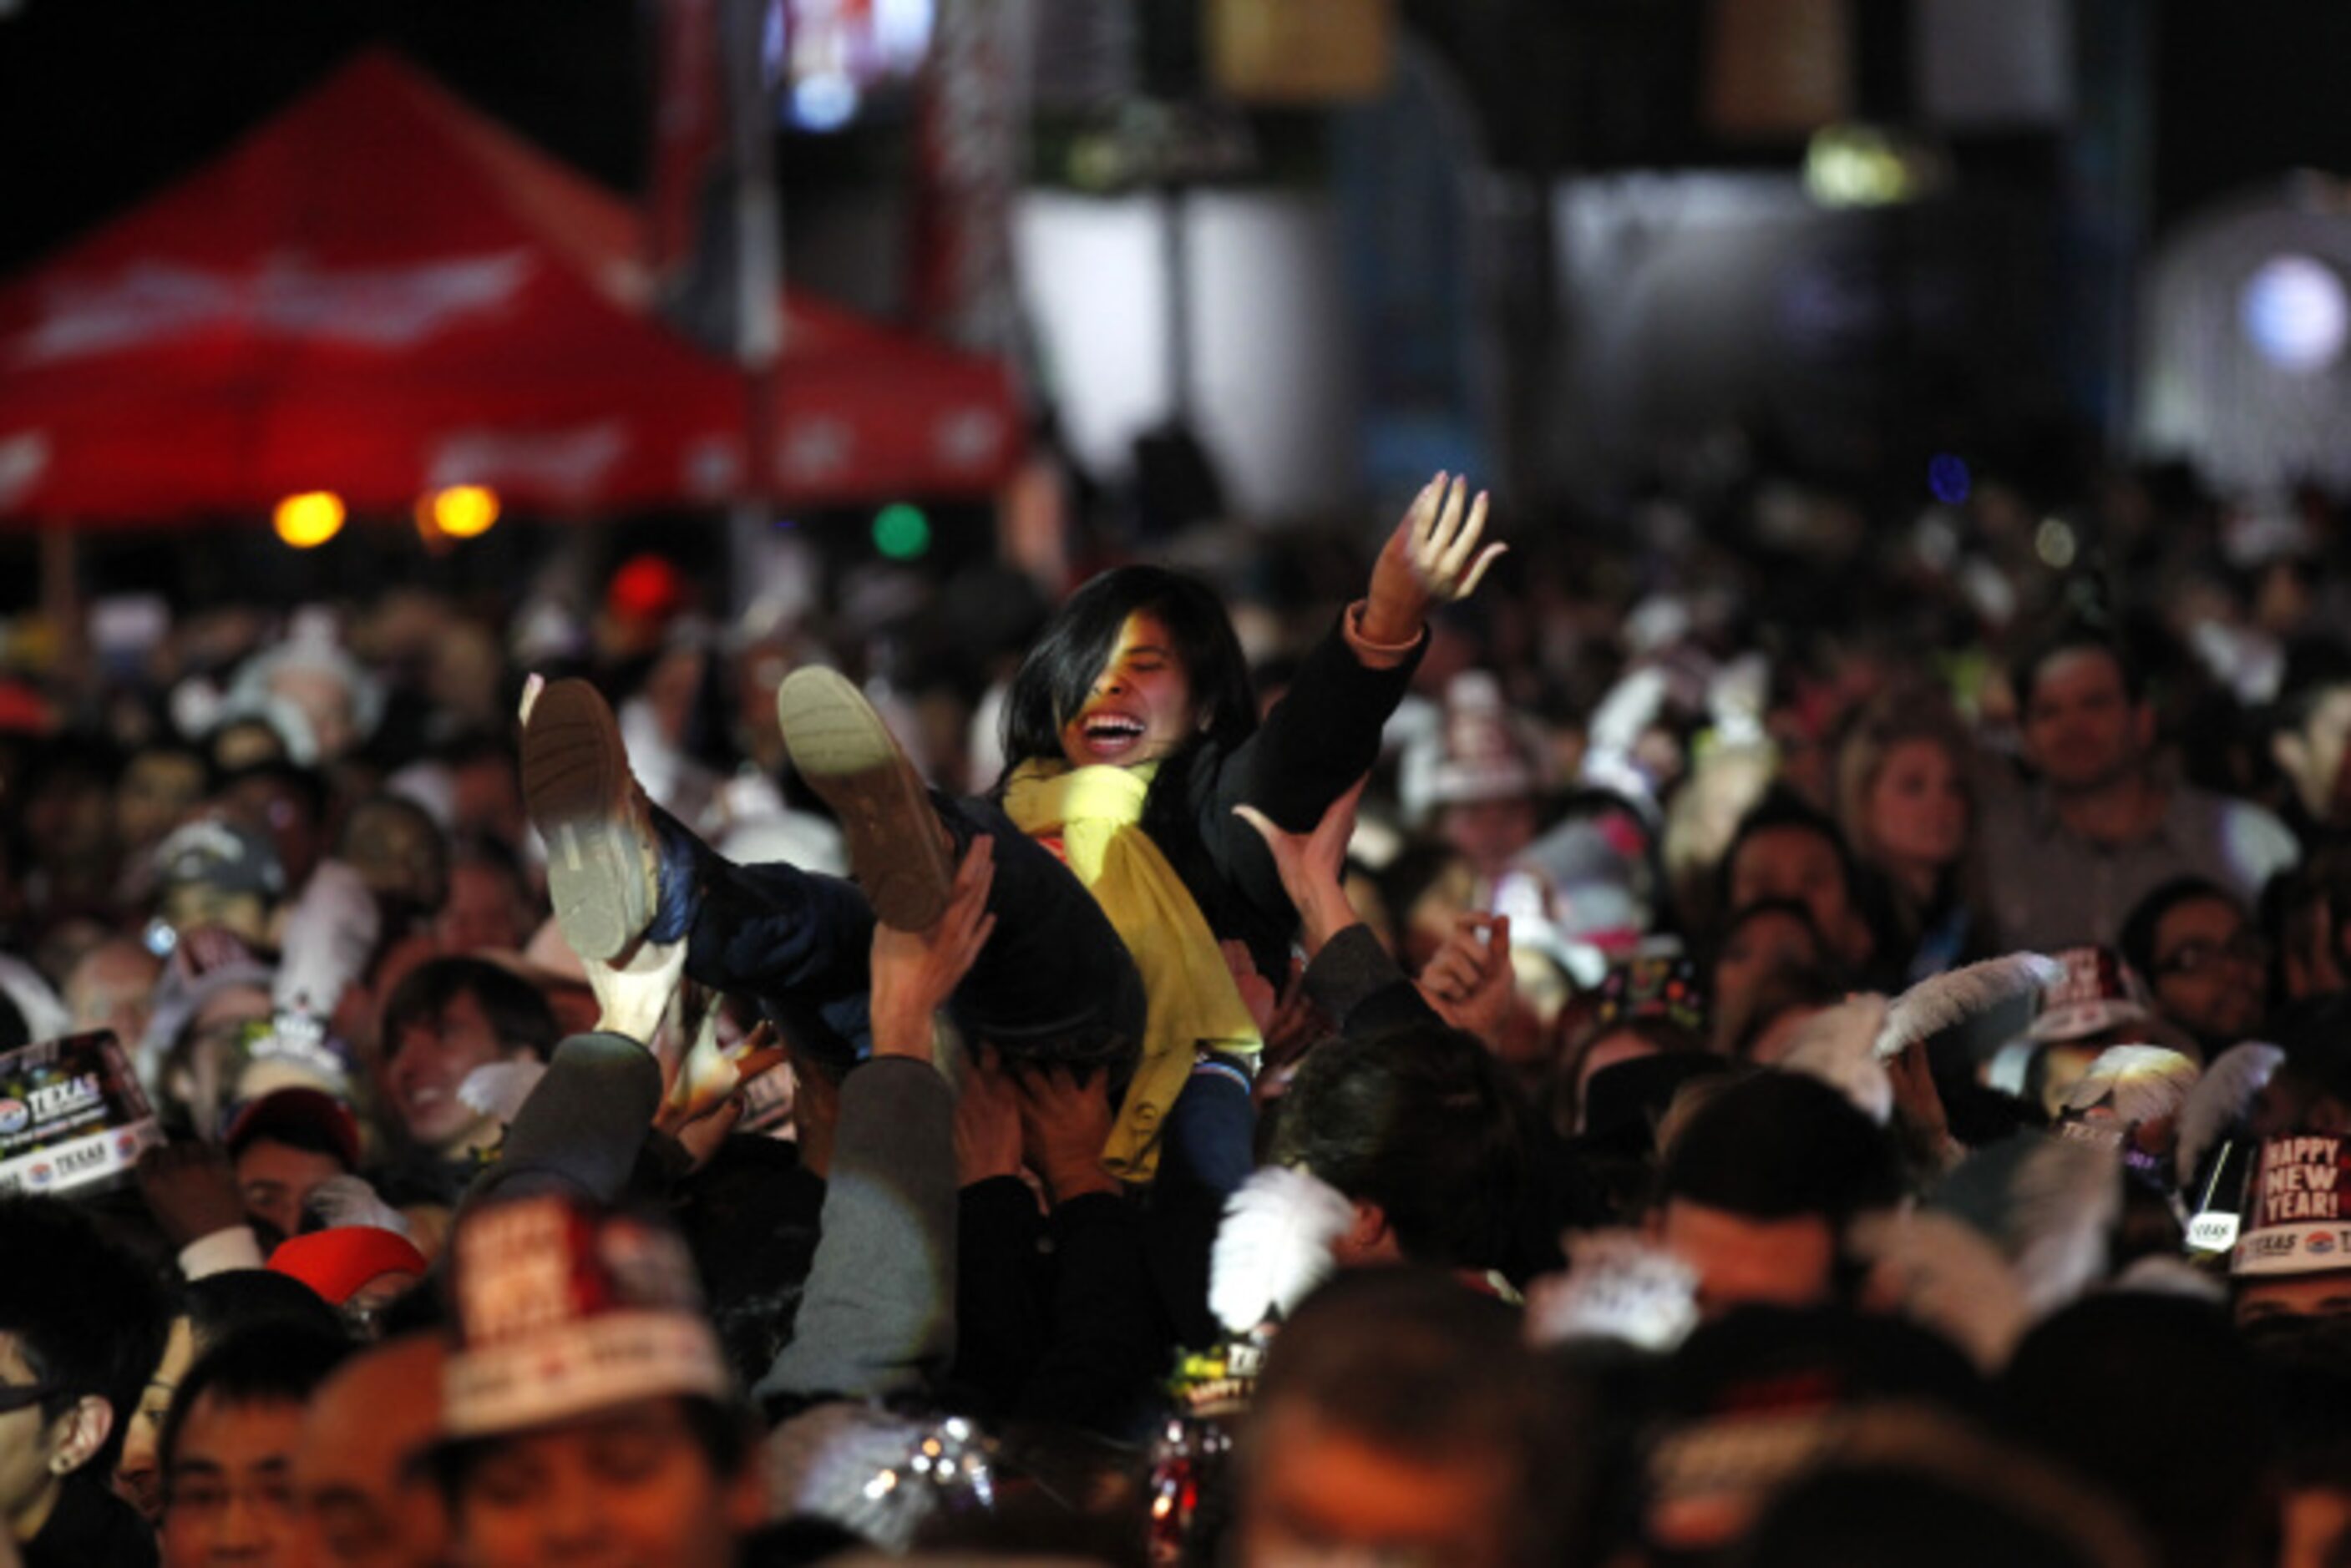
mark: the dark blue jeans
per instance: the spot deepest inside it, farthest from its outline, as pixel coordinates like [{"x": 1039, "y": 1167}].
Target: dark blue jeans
[{"x": 1053, "y": 984}]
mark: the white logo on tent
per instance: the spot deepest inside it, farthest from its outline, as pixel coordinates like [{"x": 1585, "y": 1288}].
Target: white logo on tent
[
  {"x": 712, "y": 465},
  {"x": 152, "y": 303},
  {"x": 23, "y": 459},
  {"x": 817, "y": 449},
  {"x": 564, "y": 461},
  {"x": 968, "y": 437}
]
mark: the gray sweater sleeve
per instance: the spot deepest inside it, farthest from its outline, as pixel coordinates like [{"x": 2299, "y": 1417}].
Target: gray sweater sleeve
[
  {"x": 878, "y": 1315},
  {"x": 582, "y": 1127}
]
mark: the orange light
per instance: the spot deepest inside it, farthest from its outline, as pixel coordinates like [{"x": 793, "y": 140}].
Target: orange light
[
  {"x": 465, "y": 511},
  {"x": 309, "y": 519}
]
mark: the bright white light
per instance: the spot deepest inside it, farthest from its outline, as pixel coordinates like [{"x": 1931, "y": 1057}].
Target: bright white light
[
  {"x": 2295, "y": 314},
  {"x": 1855, "y": 166},
  {"x": 824, "y": 102},
  {"x": 902, "y": 32}
]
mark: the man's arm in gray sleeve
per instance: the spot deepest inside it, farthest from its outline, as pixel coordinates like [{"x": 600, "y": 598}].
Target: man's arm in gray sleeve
[
  {"x": 584, "y": 1125},
  {"x": 878, "y": 1315}
]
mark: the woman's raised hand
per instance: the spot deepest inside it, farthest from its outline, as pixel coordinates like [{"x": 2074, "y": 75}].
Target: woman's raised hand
[
  {"x": 1433, "y": 557},
  {"x": 915, "y": 972},
  {"x": 1311, "y": 863}
]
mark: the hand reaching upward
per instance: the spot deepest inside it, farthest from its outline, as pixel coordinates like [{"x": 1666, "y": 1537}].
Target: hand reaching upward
[
  {"x": 1310, "y": 864},
  {"x": 1433, "y": 557},
  {"x": 915, "y": 972}
]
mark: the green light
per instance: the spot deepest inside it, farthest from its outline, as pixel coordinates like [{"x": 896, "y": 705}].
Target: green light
[{"x": 901, "y": 531}]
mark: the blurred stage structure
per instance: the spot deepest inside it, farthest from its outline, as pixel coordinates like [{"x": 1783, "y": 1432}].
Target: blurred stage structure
[
  {"x": 2246, "y": 345},
  {"x": 382, "y": 294}
]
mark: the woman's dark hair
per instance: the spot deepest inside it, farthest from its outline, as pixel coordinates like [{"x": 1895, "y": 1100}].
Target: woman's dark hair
[{"x": 1056, "y": 678}]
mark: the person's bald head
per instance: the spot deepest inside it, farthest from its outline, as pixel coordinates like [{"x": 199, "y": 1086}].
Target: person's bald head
[
  {"x": 368, "y": 1499},
  {"x": 112, "y": 986}
]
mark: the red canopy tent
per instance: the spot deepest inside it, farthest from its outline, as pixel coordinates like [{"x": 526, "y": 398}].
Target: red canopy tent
[{"x": 381, "y": 291}]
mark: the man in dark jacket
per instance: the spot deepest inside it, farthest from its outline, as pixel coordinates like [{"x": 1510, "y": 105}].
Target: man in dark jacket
[{"x": 82, "y": 1325}]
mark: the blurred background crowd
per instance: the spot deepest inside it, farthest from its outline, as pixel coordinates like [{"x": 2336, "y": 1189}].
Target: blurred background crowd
[{"x": 1918, "y": 430}]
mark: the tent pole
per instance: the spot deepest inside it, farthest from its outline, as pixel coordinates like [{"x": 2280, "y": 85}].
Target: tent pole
[{"x": 61, "y": 593}]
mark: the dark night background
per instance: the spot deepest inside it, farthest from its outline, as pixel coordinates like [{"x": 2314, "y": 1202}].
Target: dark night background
[{"x": 104, "y": 101}]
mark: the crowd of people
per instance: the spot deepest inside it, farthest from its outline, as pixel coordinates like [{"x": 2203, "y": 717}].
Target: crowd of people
[{"x": 1761, "y": 1027}]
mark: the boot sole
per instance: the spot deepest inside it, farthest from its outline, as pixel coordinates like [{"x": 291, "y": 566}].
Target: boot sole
[
  {"x": 580, "y": 796},
  {"x": 839, "y": 745}
]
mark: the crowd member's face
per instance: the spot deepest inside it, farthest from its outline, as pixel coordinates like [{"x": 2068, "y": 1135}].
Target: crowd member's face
[
  {"x": 433, "y": 1057},
  {"x": 276, "y": 808},
  {"x": 367, "y": 1501},
  {"x": 1741, "y": 1260},
  {"x": 2080, "y": 729},
  {"x": 154, "y": 796},
  {"x": 484, "y": 912},
  {"x": 2210, "y": 970},
  {"x": 2262, "y": 1299},
  {"x": 1140, "y": 708},
  {"x": 275, "y": 1179},
  {"x": 1918, "y": 806},
  {"x": 400, "y": 854},
  {"x": 246, "y": 742},
  {"x": 230, "y": 1490},
  {"x": 139, "y": 1477},
  {"x": 325, "y": 701},
  {"x": 215, "y": 1051},
  {"x": 1322, "y": 1495},
  {"x": 1489, "y": 834},
  {"x": 1761, "y": 944},
  {"x": 32, "y": 1447},
  {"x": 2312, "y": 1519},
  {"x": 1796, "y": 864},
  {"x": 113, "y": 987},
  {"x": 68, "y": 819},
  {"x": 2312, "y": 753},
  {"x": 184, "y": 906},
  {"x": 627, "y": 1488},
  {"x": 489, "y": 796}
]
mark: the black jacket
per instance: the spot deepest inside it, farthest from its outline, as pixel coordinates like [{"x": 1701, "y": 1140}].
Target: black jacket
[
  {"x": 92, "y": 1528},
  {"x": 1322, "y": 737}
]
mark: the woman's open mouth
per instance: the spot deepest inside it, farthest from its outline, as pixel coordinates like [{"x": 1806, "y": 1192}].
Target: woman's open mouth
[{"x": 1111, "y": 736}]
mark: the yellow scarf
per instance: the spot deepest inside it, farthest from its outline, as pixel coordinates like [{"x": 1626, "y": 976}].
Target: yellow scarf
[{"x": 1190, "y": 991}]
